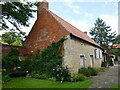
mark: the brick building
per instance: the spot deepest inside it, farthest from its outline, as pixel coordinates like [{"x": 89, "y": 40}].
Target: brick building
[{"x": 79, "y": 49}]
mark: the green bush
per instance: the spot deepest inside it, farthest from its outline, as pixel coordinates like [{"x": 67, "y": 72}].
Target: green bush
[
  {"x": 50, "y": 63},
  {"x": 93, "y": 71},
  {"x": 24, "y": 64},
  {"x": 89, "y": 71},
  {"x": 85, "y": 71},
  {"x": 38, "y": 75},
  {"x": 13, "y": 52},
  {"x": 44, "y": 76},
  {"x": 6, "y": 78},
  {"x": 62, "y": 74},
  {"x": 79, "y": 77},
  {"x": 35, "y": 74},
  {"x": 11, "y": 60},
  {"x": 110, "y": 62}
]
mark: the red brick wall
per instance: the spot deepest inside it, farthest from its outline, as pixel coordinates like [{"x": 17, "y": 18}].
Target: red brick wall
[
  {"x": 7, "y": 48},
  {"x": 54, "y": 31}
]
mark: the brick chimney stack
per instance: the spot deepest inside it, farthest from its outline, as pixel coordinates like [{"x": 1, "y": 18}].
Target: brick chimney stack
[{"x": 43, "y": 4}]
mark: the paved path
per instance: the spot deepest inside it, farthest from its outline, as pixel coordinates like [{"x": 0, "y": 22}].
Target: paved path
[{"x": 106, "y": 79}]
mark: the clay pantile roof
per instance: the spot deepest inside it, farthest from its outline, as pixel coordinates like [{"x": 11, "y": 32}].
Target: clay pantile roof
[
  {"x": 116, "y": 45},
  {"x": 73, "y": 30}
]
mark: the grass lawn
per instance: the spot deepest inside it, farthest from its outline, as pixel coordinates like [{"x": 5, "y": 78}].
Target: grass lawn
[
  {"x": 24, "y": 82},
  {"x": 116, "y": 86}
]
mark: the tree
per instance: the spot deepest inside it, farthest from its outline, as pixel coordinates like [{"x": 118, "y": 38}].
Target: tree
[
  {"x": 12, "y": 38},
  {"x": 117, "y": 40},
  {"x": 102, "y": 33},
  {"x": 114, "y": 50},
  {"x": 16, "y": 14}
]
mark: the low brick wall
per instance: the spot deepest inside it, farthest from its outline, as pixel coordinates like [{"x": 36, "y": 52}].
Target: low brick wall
[{"x": 7, "y": 48}]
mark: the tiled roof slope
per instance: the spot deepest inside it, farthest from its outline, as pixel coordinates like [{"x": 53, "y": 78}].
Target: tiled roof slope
[{"x": 70, "y": 28}]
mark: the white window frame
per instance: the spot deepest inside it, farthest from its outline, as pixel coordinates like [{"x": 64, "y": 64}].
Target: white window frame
[
  {"x": 97, "y": 53},
  {"x": 100, "y": 53}
]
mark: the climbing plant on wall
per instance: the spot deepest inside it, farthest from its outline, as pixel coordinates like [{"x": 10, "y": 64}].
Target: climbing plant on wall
[{"x": 50, "y": 62}]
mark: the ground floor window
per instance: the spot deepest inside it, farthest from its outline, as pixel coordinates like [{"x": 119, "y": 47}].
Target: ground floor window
[
  {"x": 82, "y": 61},
  {"x": 91, "y": 61}
]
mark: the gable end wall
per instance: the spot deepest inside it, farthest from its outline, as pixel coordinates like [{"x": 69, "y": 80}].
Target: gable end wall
[{"x": 54, "y": 32}]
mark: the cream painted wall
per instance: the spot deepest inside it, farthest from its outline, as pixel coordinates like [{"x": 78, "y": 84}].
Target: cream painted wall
[{"x": 73, "y": 49}]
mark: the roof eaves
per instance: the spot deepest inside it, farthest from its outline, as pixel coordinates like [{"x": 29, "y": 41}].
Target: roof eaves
[{"x": 86, "y": 40}]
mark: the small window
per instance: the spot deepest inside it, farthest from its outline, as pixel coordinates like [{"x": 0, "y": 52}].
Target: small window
[
  {"x": 82, "y": 58},
  {"x": 96, "y": 53},
  {"x": 100, "y": 53},
  {"x": 43, "y": 32}
]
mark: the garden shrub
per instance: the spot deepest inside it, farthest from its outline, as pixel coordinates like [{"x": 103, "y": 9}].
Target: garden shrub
[
  {"x": 62, "y": 74},
  {"x": 11, "y": 60},
  {"x": 24, "y": 64},
  {"x": 85, "y": 71},
  {"x": 52, "y": 79},
  {"x": 44, "y": 76},
  {"x": 37, "y": 65},
  {"x": 110, "y": 62},
  {"x": 6, "y": 78},
  {"x": 35, "y": 74},
  {"x": 79, "y": 77},
  {"x": 50, "y": 63},
  {"x": 93, "y": 71},
  {"x": 38, "y": 75},
  {"x": 13, "y": 52}
]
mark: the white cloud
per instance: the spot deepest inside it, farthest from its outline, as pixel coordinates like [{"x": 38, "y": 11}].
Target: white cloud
[
  {"x": 89, "y": 15},
  {"x": 76, "y": 11},
  {"x": 74, "y": 8},
  {"x": 82, "y": 25},
  {"x": 111, "y": 21},
  {"x": 70, "y": 5}
]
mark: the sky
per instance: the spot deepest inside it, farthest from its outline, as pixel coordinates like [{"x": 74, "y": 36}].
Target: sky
[{"x": 82, "y": 14}]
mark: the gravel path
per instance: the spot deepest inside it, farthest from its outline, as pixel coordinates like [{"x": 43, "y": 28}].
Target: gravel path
[{"x": 106, "y": 79}]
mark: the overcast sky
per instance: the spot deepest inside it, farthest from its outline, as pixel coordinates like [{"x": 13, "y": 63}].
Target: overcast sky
[{"x": 83, "y": 14}]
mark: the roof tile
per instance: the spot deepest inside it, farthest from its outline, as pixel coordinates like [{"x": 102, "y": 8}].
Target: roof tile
[{"x": 70, "y": 28}]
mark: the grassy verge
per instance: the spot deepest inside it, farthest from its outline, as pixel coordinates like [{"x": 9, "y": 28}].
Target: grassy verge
[
  {"x": 102, "y": 69},
  {"x": 23, "y": 82},
  {"x": 116, "y": 86}
]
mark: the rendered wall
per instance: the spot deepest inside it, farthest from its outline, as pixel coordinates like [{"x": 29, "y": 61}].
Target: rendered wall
[{"x": 73, "y": 49}]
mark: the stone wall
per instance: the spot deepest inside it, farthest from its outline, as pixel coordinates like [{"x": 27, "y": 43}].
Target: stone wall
[{"x": 75, "y": 47}]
